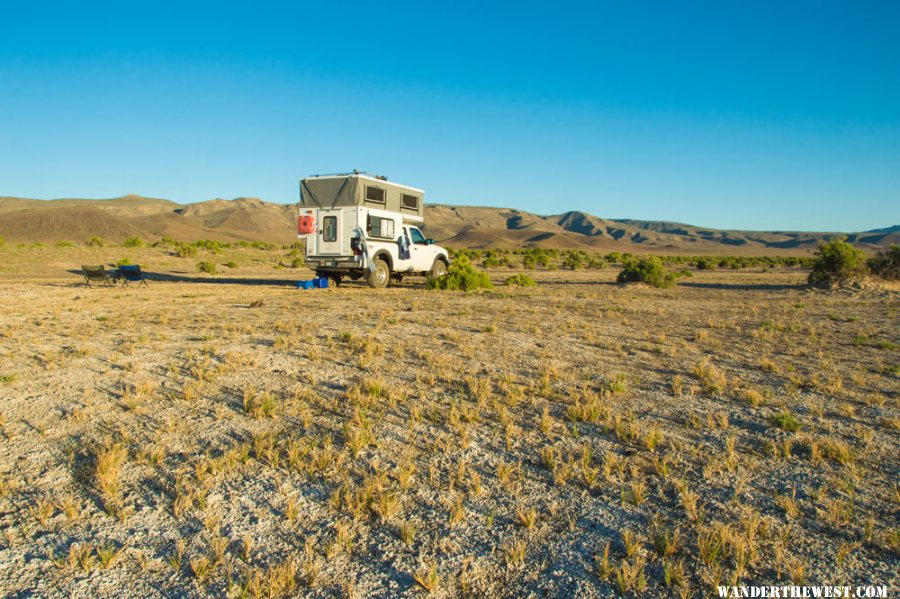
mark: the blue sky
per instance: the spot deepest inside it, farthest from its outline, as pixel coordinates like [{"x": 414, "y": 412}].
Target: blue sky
[{"x": 757, "y": 115}]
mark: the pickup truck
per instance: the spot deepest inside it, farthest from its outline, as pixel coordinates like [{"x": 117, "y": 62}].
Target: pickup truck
[{"x": 377, "y": 245}]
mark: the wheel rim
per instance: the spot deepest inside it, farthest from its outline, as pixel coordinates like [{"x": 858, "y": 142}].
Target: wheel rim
[
  {"x": 381, "y": 274},
  {"x": 439, "y": 269}
]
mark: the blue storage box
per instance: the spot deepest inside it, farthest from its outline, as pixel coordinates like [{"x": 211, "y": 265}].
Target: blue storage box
[
  {"x": 306, "y": 284},
  {"x": 321, "y": 282}
]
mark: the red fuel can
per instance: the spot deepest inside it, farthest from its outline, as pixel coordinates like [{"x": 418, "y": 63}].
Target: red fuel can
[{"x": 306, "y": 224}]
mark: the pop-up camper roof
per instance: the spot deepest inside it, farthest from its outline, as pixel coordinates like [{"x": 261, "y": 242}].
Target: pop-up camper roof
[{"x": 361, "y": 189}]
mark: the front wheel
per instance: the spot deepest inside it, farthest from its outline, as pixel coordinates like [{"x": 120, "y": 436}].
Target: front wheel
[
  {"x": 438, "y": 269},
  {"x": 380, "y": 275}
]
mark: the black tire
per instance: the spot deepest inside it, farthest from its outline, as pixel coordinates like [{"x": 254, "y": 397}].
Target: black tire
[
  {"x": 380, "y": 275},
  {"x": 336, "y": 279},
  {"x": 438, "y": 269}
]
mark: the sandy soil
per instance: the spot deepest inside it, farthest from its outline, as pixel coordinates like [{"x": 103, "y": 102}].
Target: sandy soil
[{"x": 578, "y": 438}]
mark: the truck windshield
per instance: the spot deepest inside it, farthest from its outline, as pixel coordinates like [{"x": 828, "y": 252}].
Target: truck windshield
[{"x": 417, "y": 236}]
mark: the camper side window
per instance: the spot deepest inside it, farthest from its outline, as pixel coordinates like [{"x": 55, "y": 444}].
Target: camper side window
[
  {"x": 329, "y": 228},
  {"x": 409, "y": 202},
  {"x": 374, "y": 195},
  {"x": 381, "y": 227}
]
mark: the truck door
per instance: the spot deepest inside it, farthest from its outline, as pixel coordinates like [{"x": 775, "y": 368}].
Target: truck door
[
  {"x": 421, "y": 254},
  {"x": 330, "y": 232}
]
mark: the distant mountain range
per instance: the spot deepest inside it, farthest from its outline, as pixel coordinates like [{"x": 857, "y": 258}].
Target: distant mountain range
[{"x": 28, "y": 220}]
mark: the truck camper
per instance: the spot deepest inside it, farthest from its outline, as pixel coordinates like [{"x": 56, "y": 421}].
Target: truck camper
[{"x": 363, "y": 226}]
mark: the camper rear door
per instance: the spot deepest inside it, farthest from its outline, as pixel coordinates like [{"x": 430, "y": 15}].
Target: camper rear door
[{"x": 330, "y": 232}]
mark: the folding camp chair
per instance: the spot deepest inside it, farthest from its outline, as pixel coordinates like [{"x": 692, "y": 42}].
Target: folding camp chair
[
  {"x": 132, "y": 274},
  {"x": 96, "y": 274}
]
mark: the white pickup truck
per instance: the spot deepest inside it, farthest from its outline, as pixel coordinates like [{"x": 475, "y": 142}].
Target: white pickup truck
[{"x": 360, "y": 232}]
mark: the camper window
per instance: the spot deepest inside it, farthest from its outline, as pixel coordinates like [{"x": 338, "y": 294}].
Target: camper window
[
  {"x": 410, "y": 202},
  {"x": 374, "y": 194},
  {"x": 380, "y": 227},
  {"x": 329, "y": 228}
]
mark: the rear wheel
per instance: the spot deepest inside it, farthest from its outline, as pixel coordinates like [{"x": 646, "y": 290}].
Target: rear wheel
[
  {"x": 380, "y": 275},
  {"x": 438, "y": 269}
]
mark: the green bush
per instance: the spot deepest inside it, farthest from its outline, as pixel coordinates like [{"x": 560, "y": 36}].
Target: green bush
[
  {"x": 574, "y": 259},
  {"x": 836, "y": 262},
  {"x": 185, "y": 250},
  {"x": 646, "y": 269},
  {"x": 534, "y": 257},
  {"x": 123, "y": 262},
  {"x": 786, "y": 421},
  {"x": 63, "y": 244},
  {"x": 705, "y": 264},
  {"x": 207, "y": 266},
  {"x": 231, "y": 264},
  {"x": 461, "y": 276},
  {"x": 886, "y": 264},
  {"x": 133, "y": 242},
  {"x": 520, "y": 280},
  {"x": 96, "y": 242},
  {"x": 211, "y": 245}
]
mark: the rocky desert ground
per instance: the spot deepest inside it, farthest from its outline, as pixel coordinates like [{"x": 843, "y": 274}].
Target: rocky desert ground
[{"x": 230, "y": 435}]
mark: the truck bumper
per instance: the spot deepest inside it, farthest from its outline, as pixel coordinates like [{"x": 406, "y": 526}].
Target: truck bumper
[{"x": 338, "y": 263}]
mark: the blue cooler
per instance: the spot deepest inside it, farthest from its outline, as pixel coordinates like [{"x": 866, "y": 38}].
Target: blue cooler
[
  {"x": 321, "y": 282},
  {"x": 306, "y": 284}
]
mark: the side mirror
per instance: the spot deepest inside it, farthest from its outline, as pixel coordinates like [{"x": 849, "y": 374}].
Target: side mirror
[{"x": 429, "y": 241}]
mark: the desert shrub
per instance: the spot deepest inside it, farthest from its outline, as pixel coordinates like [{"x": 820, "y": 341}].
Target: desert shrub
[
  {"x": 2, "y": 241},
  {"x": 836, "y": 262},
  {"x": 886, "y": 264},
  {"x": 62, "y": 244},
  {"x": 96, "y": 242},
  {"x": 296, "y": 257},
  {"x": 647, "y": 269},
  {"x": 494, "y": 258},
  {"x": 465, "y": 253},
  {"x": 231, "y": 264},
  {"x": 165, "y": 242},
  {"x": 207, "y": 266},
  {"x": 534, "y": 257},
  {"x": 705, "y": 264},
  {"x": 520, "y": 280},
  {"x": 212, "y": 246},
  {"x": 123, "y": 262},
  {"x": 595, "y": 262},
  {"x": 786, "y": 421},
  {"x": 257, "y": 245},
  {"x": 574, "y": 259},
  {"x": 185, "y": 250},
  {"x": 133, "y": 242},
  {"x": 461, "y": 276}
]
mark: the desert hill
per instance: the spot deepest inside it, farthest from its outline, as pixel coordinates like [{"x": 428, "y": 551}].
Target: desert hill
[{"x": 114, "y": 219}]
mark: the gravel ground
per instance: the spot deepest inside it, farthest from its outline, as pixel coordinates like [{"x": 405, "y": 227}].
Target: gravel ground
[{"x": 174, "y": 441}]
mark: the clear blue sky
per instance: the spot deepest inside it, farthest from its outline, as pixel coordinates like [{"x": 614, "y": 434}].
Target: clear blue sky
[{"x": 733, "y": 114}]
